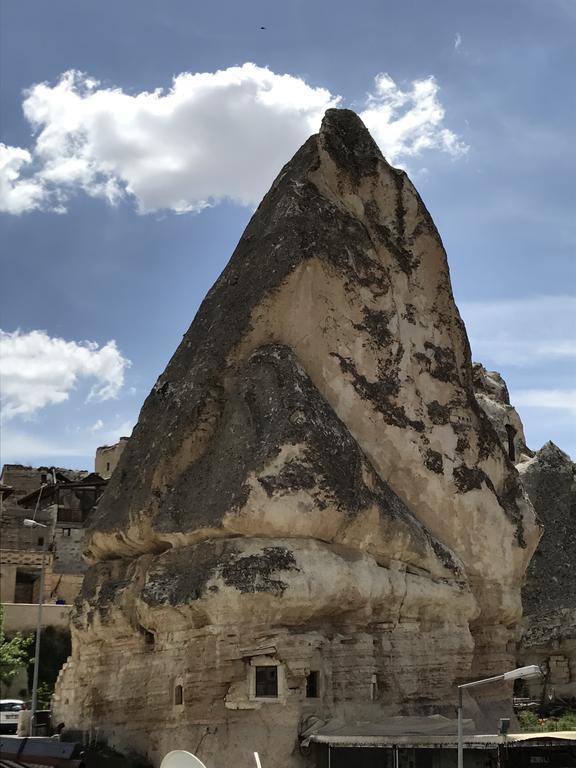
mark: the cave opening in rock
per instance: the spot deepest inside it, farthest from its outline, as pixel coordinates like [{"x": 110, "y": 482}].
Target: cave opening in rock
[
  {"x": 511, "y": 432},
  {"x": 313, "y": 684}
]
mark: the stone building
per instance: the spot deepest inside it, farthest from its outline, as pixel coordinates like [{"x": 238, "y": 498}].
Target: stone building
[
  {"x": 62, "y": 500},
  {"x": 314, "y": 522},
  {"x": 107, "y": 457}
]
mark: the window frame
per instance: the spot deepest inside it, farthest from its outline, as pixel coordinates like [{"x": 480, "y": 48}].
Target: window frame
[{"x": 267, "y": 661}]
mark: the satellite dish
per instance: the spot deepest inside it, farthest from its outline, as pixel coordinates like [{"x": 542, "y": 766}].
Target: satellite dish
[{"x": 181, "y": 759}]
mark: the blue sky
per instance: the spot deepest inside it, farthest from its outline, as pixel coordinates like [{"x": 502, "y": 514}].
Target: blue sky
[{"x": 122, "y": 203}]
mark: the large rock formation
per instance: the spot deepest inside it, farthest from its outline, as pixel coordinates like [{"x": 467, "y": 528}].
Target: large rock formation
[
  {"x": 313, "y": 516},
  {"x": 548, "y": 634},
  {"x": 549, "y": 595}
]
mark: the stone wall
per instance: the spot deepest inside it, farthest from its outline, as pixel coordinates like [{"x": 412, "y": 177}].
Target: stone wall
[
  {"x": 108, "y": 456},
  {"x": 22, "y": 617}
]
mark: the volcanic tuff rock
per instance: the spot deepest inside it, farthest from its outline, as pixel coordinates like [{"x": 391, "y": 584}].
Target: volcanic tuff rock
[
  {"x": 549, "y": 594},
  {"x": 311, "y": 485},
  {"x": 492, "y": 395}
]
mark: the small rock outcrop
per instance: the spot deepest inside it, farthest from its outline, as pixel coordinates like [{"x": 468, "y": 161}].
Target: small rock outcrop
[
  {"x": 492, "y": 395},
  {"x": 314, "y": 516}
]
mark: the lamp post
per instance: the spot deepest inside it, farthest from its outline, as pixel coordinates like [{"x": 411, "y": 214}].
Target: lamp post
[
  {"x": 31, "y": 523},
  {"x": 514, "y": 674}
]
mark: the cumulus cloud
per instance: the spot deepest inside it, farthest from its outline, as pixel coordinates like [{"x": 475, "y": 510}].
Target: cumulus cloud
[
  {"x": 210, "y": 136},
  {"x": 17, "y": 194},
  {"x": 522, "y": 332},
  {"x": 37, "y": 370},
  {"x": 457, "y": 41},
  {"x": 405, "y": 123}
]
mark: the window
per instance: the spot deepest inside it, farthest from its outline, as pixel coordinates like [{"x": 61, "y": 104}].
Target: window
[
  {"x": 267, "y": 682},
  {"x": 24, "y": 589},
  {"x": 107, "y": 466},
  {"x": 41, "y": 541},
  {"x": 43, "y": 478},
  {"x": 66, "y": 531},
  {"x": 178, "y": 695},
  {"x": 313, "y": 685}
]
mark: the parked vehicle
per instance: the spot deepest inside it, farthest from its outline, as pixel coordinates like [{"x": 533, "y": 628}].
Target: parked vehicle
[{"x": 9, "y": 709}]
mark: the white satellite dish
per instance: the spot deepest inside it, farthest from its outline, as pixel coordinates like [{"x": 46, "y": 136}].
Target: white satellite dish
[{"x": 181, "y": 759}]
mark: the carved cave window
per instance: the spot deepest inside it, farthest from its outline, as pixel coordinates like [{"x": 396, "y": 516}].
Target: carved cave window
[
  {"x": 178, "y": 695},
  {"x": 511, "y": 432},
  {"x": 313, "y": 684},
  {"x": 267, "y": 682}
]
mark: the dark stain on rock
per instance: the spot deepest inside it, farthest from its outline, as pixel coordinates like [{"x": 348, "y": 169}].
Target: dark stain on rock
[
  {"x": 410, "y": 313},
  {"x": 346, "y": 139},
  {"x": 433, "y": 461},
  {"x": 488, "y": 440},
  {"x": 180, "y": 576},
  {"x": 468, "y": 478},
  {"x": 375, "y": 324},
  {"x": 255, "y": 573},
  {"x": 508, "y": 500},
  {"x": 440, "y": 362},
  {"x": 293, "y": 475},
  {"x": 462, "y": 444},
  {"x": 439, "y": 414},
  {"x": 393, "y": 242},
  {"x": 380, "y": 394}
]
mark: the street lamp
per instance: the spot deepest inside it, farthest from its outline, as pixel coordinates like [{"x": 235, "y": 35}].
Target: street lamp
[
  {"x": 532, "y": 670},
  {"x": 29, "y": 523}
]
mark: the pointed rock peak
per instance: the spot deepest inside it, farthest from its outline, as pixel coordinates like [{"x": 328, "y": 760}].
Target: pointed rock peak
[
  {"x": 349, "y": 143},
  {"x": 490, "y": 383},
  {"x": 342, "y": 267},
  {"x": 551, "y": 453}
]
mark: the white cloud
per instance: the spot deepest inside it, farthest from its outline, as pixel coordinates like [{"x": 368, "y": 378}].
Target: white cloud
[
  {"x": 404, "y": 123},
  {"x": 457, "y": 41},
  {"x": 37, "y": 370},
  {"x": 113, "y": 432},
  {"x": 210, "y": 136},
  {"x": 17, "y": 194},
  {"x": 557, "y": 399},
  {"x": 23, "y": 445},
  {"x": 522, "y": 332},
  {"x": 20, "y": 447}
]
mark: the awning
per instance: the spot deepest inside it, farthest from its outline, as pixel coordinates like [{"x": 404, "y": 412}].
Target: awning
[{"x": 434, "y": 732}]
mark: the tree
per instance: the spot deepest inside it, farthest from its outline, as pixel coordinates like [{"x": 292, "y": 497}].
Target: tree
[{"x": 14, "y": 652}]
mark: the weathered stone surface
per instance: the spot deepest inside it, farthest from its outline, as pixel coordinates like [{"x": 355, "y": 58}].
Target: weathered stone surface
[
  {"x": 549, "y": 594},
  {"x": 312, "y": 483},
  {"x": 492, "y": 395}
]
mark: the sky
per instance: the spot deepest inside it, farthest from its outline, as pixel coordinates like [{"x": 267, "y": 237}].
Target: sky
[{"x": 138, "y": 138}]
